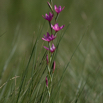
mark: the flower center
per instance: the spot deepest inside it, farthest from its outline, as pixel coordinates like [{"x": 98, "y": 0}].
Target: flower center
[{"x": 56, "y": 27}]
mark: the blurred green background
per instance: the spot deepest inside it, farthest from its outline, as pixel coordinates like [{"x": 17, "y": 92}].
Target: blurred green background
[{"x": 20, "y": 21}]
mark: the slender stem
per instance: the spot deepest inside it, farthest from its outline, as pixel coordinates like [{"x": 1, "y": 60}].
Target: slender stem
[
  {"x": 51, "y": 3},
  {"x": 50, "y": 27},
  {"x": 55, "y": 33},
  {"x": 50, "y": 60},
  {"x": 56, "y": 17}
]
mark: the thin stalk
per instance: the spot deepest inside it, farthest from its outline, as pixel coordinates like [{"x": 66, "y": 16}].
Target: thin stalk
[
  {"x": 55, "y": 33},
  {"x": 56, "y": 17},
  {"x": 50, "y": 27}
]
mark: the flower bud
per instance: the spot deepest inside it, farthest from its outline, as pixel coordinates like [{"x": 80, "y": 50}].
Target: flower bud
[
  {"x": 50, "y": 7},
  {"x": 53, "y": 66},
  {"x": 46, "y": 81}
]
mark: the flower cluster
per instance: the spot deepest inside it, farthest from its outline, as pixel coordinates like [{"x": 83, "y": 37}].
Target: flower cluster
[{"x": 51, "y": 47}]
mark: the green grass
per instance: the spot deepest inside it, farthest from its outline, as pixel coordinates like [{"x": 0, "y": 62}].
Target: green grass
[{"x": 79, "y": 55}]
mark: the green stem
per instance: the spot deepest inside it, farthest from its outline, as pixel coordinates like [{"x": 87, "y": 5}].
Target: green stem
[
  {"x": 50, "y": 27},
  {"x": 55, "y": 34},
  {"x": 56, "y": 17}
]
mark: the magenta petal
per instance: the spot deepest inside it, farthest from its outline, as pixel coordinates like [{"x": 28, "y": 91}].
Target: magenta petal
[
  {"x": 44, "y": 39},
  {"x": 56, "y": 27},
  {"x": 58, "y": 9},
  {"x": 50, "y": 14},
  {"x": 62, "y": 26},
  {"x": 46, "y": 48},
  {"x": 43, "y": 16},
  {"x": 63, "y": 7},
  {"x": 48, "y": 37},
  {"x": 48, "y": 34},
  {"x": 52, "y": 36},
  {"x": 53, "y": 46},
  {"x": 48, "y": 17},
  {"x": 52, "y": 26},
  {"x": 52, "y": 49},
  {"x": 55, "y": 7},
  {"x": 57, "y": 24}
]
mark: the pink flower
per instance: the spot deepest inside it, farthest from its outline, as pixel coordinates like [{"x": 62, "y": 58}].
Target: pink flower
[
  {"x": 49, "y": 37},
  {"x": 56, "y": 27},
  {"x": 52, "y": 48},
  {"x": 46, "y": 81},
  {"x": 58, "y": 9},
  {"x": 48, "y": 17}
]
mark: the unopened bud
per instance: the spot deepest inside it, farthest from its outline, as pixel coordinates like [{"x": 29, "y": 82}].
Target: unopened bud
[
  {"x": 53, "y": 66},
  {"x": 46, "y": 81},
  {"x": 50, "y": 7}
]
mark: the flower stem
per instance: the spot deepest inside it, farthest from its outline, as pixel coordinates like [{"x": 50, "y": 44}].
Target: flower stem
[
  {"x": 50, "y": 27},
  {"x": 56, "y": 17}
]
